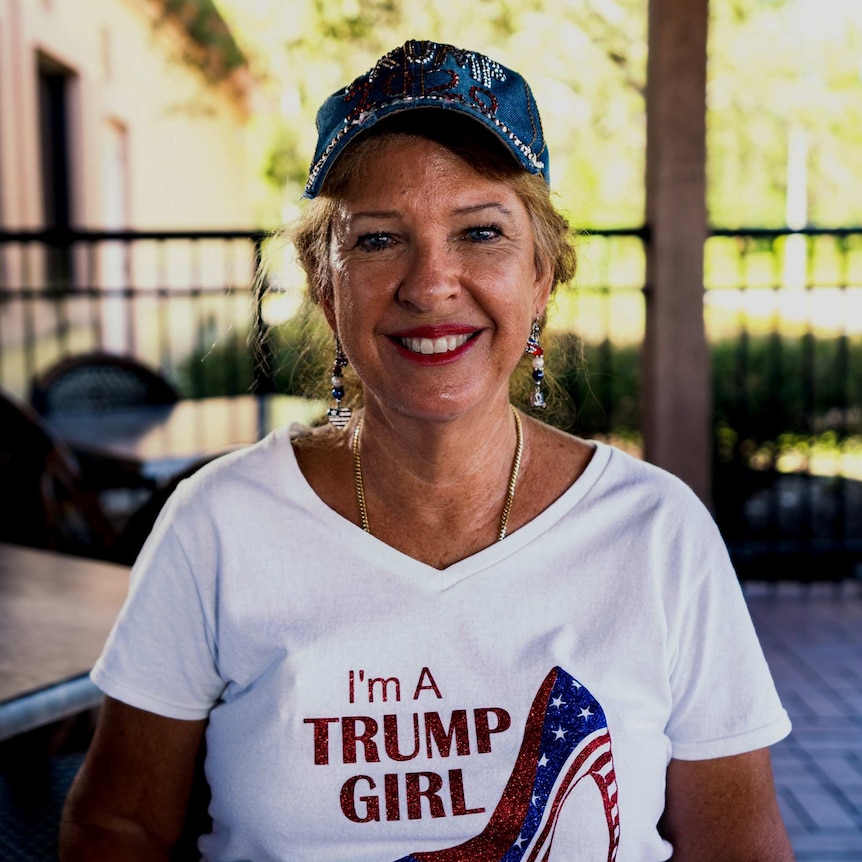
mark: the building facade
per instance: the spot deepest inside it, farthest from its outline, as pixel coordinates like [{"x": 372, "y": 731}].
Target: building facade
[
  {"x": 116, "y": 116},
  {"x": 107, "y": 121}
]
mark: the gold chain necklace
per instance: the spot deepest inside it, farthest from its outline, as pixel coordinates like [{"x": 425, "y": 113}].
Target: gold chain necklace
[{"x": 359, "y": 486}]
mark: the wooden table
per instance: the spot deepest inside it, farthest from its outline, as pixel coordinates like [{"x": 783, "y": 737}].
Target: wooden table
[
  {"x": 55, "y": 614},
  {"x": 161, "y": 441}
]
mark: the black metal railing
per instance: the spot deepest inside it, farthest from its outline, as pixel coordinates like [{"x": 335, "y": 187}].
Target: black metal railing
[
  {"x": 784, "y": 318},
  {"x": 783, "y": 315},
  {"x": 168, "y": 298},
  {"x": 187, "y": 302}
]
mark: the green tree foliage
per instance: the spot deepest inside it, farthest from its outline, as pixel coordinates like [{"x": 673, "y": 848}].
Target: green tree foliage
[
  {"x": 585, "y": 59},
  {"x": 212, "y": 48},
  {"x": 778, "y": 68}
]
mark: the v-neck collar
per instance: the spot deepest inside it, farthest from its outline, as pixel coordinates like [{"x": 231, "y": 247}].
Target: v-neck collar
[{"x": 394, "y": 560}]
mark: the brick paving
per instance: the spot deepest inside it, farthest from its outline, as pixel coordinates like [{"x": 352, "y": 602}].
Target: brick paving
[{"x": 812, "y": 637}]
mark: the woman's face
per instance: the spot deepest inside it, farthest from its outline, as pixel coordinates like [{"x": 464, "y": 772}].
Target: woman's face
[{"x": 434, "y": 281}]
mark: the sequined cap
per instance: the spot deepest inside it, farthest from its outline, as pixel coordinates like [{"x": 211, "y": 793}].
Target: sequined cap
[{"x": 432, "y": 75}]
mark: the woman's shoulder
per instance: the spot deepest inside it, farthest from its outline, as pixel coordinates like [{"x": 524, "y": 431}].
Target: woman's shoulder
[
  {"x": 642, "y": 493},
  {"x": 558, "y": 452},
  {"x": 265, "y": 467},
  {"x": 628, "y": 468},
  {"x": 555, "y": 462},
  {"x": 613, "y": 469}
]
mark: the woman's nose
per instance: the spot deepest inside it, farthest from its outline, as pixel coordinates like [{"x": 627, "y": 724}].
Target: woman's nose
[{"x": 430, "y": 279}]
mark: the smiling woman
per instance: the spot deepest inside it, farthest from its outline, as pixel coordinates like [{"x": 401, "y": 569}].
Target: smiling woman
[
  {"x": 438, "y": 253},
  {"x": 434, "y": 630}
]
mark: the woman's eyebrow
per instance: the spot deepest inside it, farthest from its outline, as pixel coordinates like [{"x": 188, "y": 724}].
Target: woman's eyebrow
[
  {"x": 476, "y": 207},
  {"x": 383, "y": 214},
  {"x": 374, "y": 214}
]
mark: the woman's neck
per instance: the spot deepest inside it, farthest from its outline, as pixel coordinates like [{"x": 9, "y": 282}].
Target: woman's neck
[{"x": 436, "y": 489}]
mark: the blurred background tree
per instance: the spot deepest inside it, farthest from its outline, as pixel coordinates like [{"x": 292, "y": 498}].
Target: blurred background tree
[
  {"x": 785, "y": 110},
  {"x": 585, "y": 60}
]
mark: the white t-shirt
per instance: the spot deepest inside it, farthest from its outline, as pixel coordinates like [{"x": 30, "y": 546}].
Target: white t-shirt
[{"x": 366, "y": 707}]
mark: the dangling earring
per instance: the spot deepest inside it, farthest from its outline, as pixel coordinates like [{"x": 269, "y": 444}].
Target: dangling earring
[
  {"x": 337, "y": 415},
  {"x": 534, "y": 349}
]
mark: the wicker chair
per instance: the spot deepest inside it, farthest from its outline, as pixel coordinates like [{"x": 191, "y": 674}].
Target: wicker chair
[{"x": 99, "y": 381}]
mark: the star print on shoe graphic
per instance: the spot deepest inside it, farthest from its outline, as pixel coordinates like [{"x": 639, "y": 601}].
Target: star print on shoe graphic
[{"x": 566, "y": 740}]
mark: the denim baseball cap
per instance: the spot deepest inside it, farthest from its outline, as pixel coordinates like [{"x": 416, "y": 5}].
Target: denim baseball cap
[{"x": 432, "y": 75}]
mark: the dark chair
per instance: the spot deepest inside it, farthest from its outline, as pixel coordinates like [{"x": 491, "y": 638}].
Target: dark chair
[
  {"x": 95, "y": 382},
  {"x": 43, "y": 500},
  {"x": 99, "y": 381}
]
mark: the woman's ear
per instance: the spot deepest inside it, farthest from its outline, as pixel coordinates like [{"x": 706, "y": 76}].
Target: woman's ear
[
  {"x": 542, "y": 286},
  {"x": 329, "y": 311}
]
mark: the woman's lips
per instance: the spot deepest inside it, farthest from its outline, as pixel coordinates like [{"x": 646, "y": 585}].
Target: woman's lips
[
  {"x": 427, "y": 346},
  {"x": 435, "y": 344}
]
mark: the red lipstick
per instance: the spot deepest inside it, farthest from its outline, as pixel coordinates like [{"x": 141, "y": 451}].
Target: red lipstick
[{"x": 435, "y": 345}]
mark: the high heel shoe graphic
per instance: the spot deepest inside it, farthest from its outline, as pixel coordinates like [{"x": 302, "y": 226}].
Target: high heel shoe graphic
[{"x": 565, "y": 741}]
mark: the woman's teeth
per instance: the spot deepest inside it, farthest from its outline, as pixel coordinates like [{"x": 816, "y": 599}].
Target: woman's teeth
[{"x": 434, "y": 345}]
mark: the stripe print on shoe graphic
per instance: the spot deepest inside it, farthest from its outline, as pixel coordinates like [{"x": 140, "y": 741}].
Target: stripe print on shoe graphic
[{"x": 566, "y": 740}]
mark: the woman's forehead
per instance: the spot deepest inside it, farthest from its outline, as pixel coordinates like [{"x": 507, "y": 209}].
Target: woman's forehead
[{"x": 399, "y": 166}]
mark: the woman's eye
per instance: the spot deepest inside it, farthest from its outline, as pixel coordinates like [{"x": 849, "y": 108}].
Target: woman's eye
[
  {"x": 374, "y": 241},
  {"x": 483, "y": 233}
]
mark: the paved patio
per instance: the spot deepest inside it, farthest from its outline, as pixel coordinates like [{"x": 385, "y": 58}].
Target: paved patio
[{"x": 812, "y": 637}]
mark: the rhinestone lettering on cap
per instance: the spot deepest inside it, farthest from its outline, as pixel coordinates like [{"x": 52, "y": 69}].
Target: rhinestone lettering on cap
[{"x": 424, "y": 74}]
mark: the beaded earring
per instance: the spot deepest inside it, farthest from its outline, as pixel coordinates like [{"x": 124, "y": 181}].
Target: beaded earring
[
  {"x": 534, "y": 349},
  {"x": 337, "y": 415}
]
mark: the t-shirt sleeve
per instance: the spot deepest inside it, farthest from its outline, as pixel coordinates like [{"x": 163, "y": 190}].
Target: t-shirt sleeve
[
  {"x": 161, "y": 655},
  {"x": 724, "y": 698}
]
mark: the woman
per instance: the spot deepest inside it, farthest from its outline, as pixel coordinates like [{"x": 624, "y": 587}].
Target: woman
[{"x": 438, "y": 629}]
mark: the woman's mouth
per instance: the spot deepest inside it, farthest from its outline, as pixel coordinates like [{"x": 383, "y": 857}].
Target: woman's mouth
[{"x": 428, "y": 346}]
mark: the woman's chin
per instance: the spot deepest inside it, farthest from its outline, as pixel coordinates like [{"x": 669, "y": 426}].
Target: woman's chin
[{"x": 442, "y": 405}]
